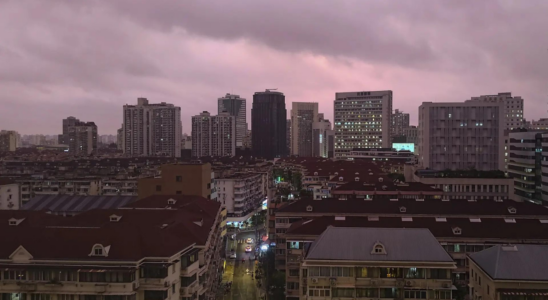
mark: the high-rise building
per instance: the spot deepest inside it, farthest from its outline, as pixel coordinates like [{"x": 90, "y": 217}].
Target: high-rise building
[
  {"x": 63, "y": 138},
  {"x": 8, "y": 140},
  {"x": 152, "y": 129},
  {"x": 400, "y": 121},
  {"x": 213, "y": 135},
  {"x": 321, "y": 134},
  {"x": 82, "y": 138},
  {"x": 362, "y": 120},
  {"x": 268, "y": 124},
  {"x": 512, "y": 109},
  {"x": 120, "y": 138},
  {"x": 461, "y": 135},
  {"x": 411, "y": 136},
  {"x": 303, "y": 115},
  {"x": 236, "y": 107},
  {"x": 288, "y": 135}
]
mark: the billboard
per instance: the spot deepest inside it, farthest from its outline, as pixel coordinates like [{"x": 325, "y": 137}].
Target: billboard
[{"x": 404, "y": 146}]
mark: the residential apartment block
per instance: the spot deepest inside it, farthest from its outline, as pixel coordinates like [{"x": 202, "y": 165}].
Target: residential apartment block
[
  {"x": 242, "y": 194},
  {"x": 362, "y": 120},
  {"x": 213, "y": 135},
  {"x": 462, "y": 135},
  {"x": 152, "y": 252},
  {"x": 9, "y": 194},
  {"x": 236, "y": 107},
  {"x": 512, "y": 107},
  {"x": 303, "y": 116},
  {"x": 63, "y": 139},
  {"x": 400, "y": 121},
  {"x": 8, "y": 140},
  {"x": 82, "y": 138},
  {"x": 375, "y": 263},
  {"x": 152, "y": 129},
  {"x": 193, "y": 179},
  {"x": 509, "y": 272}
]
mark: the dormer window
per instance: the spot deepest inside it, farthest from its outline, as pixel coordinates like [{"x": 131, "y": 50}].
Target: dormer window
[
  {"x": 512, "y": 210},
  {"x": 357, "y": 179},
  {"x": 378, "y": 249},
  {"x": 309, "y": 208},
  {"x": 403, "y": 209},
  {"x": 336, "y": 173},
  {"x": 99, "y": 250},
  {"x": 315, "y": 173},
  {"x": 457, "y": 230},
  {"x": 115, "y": 218},
  {"x": 340, "y": 179},
  {"x": 171, "y": 201},
  {"x": 15, "y": 222}
]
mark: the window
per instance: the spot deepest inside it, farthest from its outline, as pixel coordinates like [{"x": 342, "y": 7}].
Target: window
[
  {"x": 438, "y": 274},
  {"x": 15, "y": 275},
  {"x": 363, "y": 272},
  {"x": 67, "y": 297},
  {"x": 488, "y": 290},
  {"x": 292, "y": 285},
  {"x": 179, "y": 178},
  {"x": 173, "y": 288},
  {"x": 158, "y": 188},
  {"x": 391, "y": 273},
  {"x": 367, "y": 293},
  {"x": 378, "y": 248},
  {"x": 441, "y": 294},
  {"x": 414, "y": 273},
  {"x": 479, "y": 280},
  {"x": 293, "y": 245},
  {"x": 341, "y": 292},
  {"x": 319, "y": 292},
  {"x": 389, "y": 293},
  {"x": 412, "y": 294},
  {"x": 325, "y": 271},
  {"x": 342, "y": 272},
  {"x": 294, "y": 272},
  {"x": 98, "y": 250},
  {"x": 39, "y": 297}
]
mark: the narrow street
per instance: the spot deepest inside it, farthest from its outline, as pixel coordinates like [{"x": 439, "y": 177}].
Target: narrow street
[{"x": 244, "y": 287}]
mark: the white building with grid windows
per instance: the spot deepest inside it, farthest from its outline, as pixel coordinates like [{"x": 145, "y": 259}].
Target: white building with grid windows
[
  {"x": 213, "y": 135},
  {"x": 362, "y": 120}
]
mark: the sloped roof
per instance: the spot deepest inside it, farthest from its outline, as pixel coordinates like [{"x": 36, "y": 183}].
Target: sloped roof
[
  {"x": 68, "y": 203},
  {"x": 516, "y": 262},
  {"x": 356, "y": 244}
]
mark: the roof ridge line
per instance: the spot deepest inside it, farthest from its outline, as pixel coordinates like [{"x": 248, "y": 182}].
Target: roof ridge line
[{"x": 497, "y": 261}]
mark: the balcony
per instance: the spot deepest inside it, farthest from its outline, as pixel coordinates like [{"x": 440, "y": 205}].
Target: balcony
[
  {"x": 191, "y": 269},
  {"x": 72, "y": 287},
  {"x": 189, "y": 290}
]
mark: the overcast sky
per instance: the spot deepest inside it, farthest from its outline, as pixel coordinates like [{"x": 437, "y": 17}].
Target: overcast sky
[{"x": 88, "y": 58}]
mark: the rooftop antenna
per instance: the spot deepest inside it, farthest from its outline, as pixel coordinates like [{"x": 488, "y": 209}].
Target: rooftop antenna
[{"x": 268, "y": 90}]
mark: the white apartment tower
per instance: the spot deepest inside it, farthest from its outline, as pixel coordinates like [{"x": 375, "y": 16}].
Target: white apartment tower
[
  {"x": 461, "y": 135},
  {"x": 303, "y": 116},
  {"x": 152, "y": 129},
  {"x": 213, "y": 135},
  {"x": 236, "y": 107},
  {"x": 362, "y": 120}
]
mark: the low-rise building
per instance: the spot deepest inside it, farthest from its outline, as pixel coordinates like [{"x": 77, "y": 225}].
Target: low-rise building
[
  {"x": 178, "y": 179},
  {"x": 147, "y": 252},
  {"x": 509, "y": 272},
  {"x": 31, "y": 187},
  {"x": 242, "y": 194},
  {"x": 375, "y": 263}
]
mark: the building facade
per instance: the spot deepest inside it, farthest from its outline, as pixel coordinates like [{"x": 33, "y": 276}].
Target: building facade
[
  {"x": 213, "y": 135},
  {"x": 400, "y": 121},
  {"x": 82, "y": 138},
  {"x": 236, "y": 107},
  {"x": 8, "y": 140},
  {"x": 462, "y": 135},
  {"x": 321, "y": 135},
  {"x": 63, "y": 138},
  {"x": 193, "y": 179},
  {"x": 512, "y": 109},
  {"x": 152, "y": 129},
  {"x": 303, "y": 116},
  {"x": 268, "y": 124},
  {"x": 241, "y": 194},
  {"x": 288, "y": 135},
  {"x": 362, "y": 120},
  {"x": 9, "y": 194}
]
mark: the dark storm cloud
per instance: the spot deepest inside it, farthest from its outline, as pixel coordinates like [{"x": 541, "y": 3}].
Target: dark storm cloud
[{"x": 88, "y": 58}]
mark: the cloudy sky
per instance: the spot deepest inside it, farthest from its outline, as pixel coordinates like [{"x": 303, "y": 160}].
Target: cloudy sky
[{"x": 88, "y": 58}]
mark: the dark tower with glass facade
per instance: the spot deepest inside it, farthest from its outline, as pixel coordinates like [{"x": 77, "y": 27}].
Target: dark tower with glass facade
[{"x": 268, "y": 124}]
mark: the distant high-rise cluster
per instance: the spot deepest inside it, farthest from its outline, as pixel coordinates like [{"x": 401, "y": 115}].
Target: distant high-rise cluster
[
  {"x": 152, "y": 129},
  {"x": 9, "y": 140}
]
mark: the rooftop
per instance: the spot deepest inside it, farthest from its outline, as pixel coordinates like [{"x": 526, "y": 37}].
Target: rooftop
[
  {"x": 514, "y": 262},
  {"x": 399, "y": 244},
  {"x": 74, "y": 204}
]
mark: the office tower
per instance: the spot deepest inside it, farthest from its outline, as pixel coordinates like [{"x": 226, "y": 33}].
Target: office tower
[
  {"x": 82, "y": 138},
  {"x": 321, "y": 133},
  {"x": 247, "y": 140},
  {"x": 63, "y": 138},
  {"x": 303, "y": 115},
  {"x": 236, "y": 107},
  {"x": 288, "y": 135},
  {"x": 461, "y": 135},
  {"x": 152, "y": 129},
  {"x": 512, "y": 109},
  {"x": 362, "y": 120},
  {"x": 268, "y": 124},
  {"x": 213, "y": 135},
  {"x": 8, "y": 140},
  {"x": 400, "y": 121}
]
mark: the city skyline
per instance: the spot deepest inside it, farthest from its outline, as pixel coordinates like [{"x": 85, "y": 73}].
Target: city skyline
[{"x": 46, "y": 77}]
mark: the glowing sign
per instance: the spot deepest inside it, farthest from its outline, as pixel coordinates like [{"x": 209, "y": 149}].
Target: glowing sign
[{"x": 404, "y": 146}]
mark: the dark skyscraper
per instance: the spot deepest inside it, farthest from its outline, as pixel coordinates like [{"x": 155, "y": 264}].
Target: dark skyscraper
[{"x": 268, "y": 124}]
